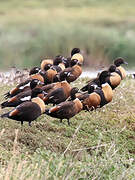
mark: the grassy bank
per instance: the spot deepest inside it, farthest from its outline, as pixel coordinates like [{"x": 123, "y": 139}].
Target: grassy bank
[
  {"x": 31, "y": 30},
  {"x": 97, "y": 145}
]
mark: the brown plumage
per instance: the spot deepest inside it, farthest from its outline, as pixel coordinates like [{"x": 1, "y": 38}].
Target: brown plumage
[
  {"x": 49, "y": 76},
  {"x": 27, "y": 111},
  {"x": 115, "y": 77},
  {"x": 22, "y": 97},
  {"x": 45, "y": 62},
  {"x": 72, "y": 73},
  {"x": 58, "y": 95},
  {"x": 65, "y": 110},
  {"x": 100, "y": 96},
  {"x": 49, "y": 87},
  {"x": 41, "y": 76},
  {"x": 24, "y": 86}
]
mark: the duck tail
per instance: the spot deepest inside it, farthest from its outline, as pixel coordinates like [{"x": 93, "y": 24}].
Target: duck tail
[
  {"x": 7, "y": 95},
  {"x": 85, "y": 88},
  {"x": 5, "y": 115},
  {"x": 4, "y": 104},
  {"x": 47, "y": 111}
]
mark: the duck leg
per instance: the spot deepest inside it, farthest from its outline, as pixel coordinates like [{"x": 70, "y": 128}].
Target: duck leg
[
  {"x": 68, "y": 122},
  {"x": 30, "y": 123}
]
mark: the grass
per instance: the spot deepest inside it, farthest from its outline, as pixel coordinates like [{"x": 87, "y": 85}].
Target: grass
[
  {"x": 32, "y": 30},
  {"x": 97, "y": 145}
]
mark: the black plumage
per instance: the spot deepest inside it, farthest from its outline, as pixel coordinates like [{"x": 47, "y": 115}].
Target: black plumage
[
  {"x": 27, "y": 111},
  {"x": 34, "y": 70}
]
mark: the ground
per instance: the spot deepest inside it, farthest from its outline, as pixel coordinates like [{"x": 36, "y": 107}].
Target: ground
[{"x": 97, "y": 145}]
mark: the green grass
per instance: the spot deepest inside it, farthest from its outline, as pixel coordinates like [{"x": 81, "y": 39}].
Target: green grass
[
  {"x": 32, "y": 30},
  {"x": 97, "y": 145}
]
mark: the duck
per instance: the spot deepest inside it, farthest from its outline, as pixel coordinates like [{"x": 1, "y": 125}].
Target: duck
[
  {"x": 50, "y": 87},
  {"x": 118, "y": 62},
  {"x": 41, "y": 76},
  {"x": 115, "y": 78},
  {"x": 27, "y": 111},
  {"x": 76, "y": 54},
  {"x": 91, "y": 85},
  {"x": 22, "y": 97},
  {"x": 58, "y": 95},
  {"x": 72, "y": 73},
  {"x": 45, "y": 63},
  {"x": 49, "y": 76},
  {"x": 100, "y": 96},
  {"x": 24, "y": 86},
  {"x": 65, "y": 110}
]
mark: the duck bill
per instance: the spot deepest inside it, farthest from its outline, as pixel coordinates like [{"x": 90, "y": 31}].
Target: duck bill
[
  {"x": 79, "y": 63},
  {"x": 125, "y": 62},
  {"x": 40, "y": 83}
]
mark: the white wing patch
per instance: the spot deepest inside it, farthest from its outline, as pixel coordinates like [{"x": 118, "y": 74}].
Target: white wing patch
[
  {"x": 28, "y": 84},
  {"x": 51, "y": 97},
  {"x": 27, "y": 98},
  {"x": 105, "y": 84}
]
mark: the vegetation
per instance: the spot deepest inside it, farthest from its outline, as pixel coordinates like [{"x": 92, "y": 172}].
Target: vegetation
[
  {"x": 97, "y": 145},
  {"x": 32, "y": 30}
]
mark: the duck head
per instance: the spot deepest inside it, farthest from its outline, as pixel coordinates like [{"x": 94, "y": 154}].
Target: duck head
[
  {"x": 103, "y": 75},
  {"x": 75, "y": 51},
  {"x": 112, "y": 68},
  {"x": 57, "y": 60},
  {"x": 35, "y": 82},
  {"x": 73, "y": 92},
  {"x": 47, "y": 66},
  {"x": 38, "y": 92},
  {"x": 34, "y": 70},
  {"x": 119, "y": 61}
]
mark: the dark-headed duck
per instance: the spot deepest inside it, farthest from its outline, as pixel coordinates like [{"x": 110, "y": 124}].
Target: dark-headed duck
[
  {"x": 65, "y": 110},
  {"x": 72, "y": 73},
  {"x": 22, "y": 97},
  {"x": 118, "y": 62},
  {"x": 27, "y": 111},
  {"x": 58, "y": 95},
  {"x": 24, "y": 86}
]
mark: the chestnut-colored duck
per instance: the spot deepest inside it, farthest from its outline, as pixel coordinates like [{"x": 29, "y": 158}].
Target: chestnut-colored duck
[
  {"x": 65, "y": 110},
  {"x": 100, "y": 96},
  {"x": 27, "y": 111},
  {"x": 50, "y": 87},
  {"x": 58, "y": 95},
  {"x": 72, "y": 73},
  {"x": 22, "y": 97},
  {"x": 76, "y": 54},
  {"x": 115, "y": 78},
  {"x": 24, "y": 86}
]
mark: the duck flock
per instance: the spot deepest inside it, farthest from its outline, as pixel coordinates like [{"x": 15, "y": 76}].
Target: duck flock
[{"x": 51, "y": 84}]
